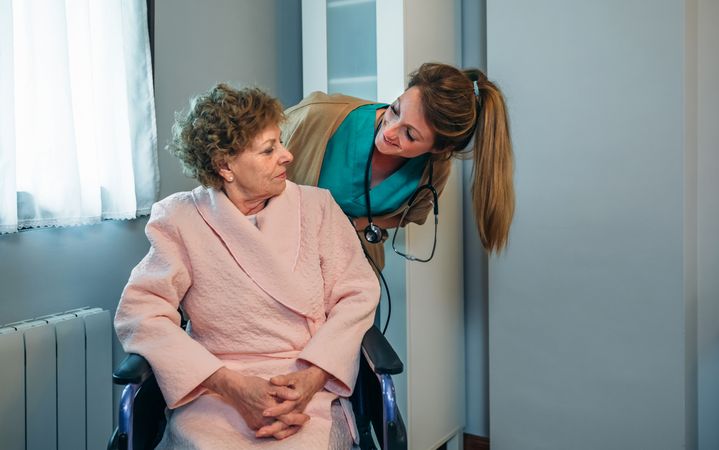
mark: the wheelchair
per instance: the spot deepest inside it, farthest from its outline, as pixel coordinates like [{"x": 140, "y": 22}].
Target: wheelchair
[{"x": 141, "y": 419}]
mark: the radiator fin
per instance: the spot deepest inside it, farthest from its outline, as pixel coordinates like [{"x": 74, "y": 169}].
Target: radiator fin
[
  {"x": 71, "y": 384},
  {"x": 12, "y": 395},
  {"x": 99, "y": 381},
  {"x": 40, "y": 387}
]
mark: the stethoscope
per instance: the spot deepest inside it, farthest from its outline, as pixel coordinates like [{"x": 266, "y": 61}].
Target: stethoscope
[{"x": 373, "y": 233}]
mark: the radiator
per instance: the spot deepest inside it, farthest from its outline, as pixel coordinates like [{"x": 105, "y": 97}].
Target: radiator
[{"x": 55, "y": 382}]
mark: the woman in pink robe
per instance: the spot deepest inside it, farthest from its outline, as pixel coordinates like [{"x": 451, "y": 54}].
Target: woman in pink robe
[{"x": 272, "y": 278}]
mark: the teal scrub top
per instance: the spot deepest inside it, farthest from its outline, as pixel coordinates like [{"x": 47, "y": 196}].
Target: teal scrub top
[{"x": 345, "y": 163}]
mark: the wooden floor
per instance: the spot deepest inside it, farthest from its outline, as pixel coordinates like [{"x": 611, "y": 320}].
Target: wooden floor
[{"x": 471, "y": 442}]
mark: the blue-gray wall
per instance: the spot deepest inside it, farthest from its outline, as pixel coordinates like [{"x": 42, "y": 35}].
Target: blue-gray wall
[
  {"x": 708, "y": 224},
  {"x": 55, "y": 269},
  {"x": 476, "y": 282},
  {"x": 593, "y": 310},
  {"x": 199, "y": 44}
]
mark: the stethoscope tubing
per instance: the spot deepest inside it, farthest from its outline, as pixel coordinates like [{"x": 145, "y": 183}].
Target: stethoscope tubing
[{"x": 373, "y": 233}]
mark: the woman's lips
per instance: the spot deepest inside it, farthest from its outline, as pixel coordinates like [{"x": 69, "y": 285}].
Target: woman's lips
[{"x": 388, "y": 142}]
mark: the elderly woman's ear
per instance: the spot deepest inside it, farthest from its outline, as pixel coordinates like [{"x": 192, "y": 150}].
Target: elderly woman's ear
[{"x": 223, "y": 170}]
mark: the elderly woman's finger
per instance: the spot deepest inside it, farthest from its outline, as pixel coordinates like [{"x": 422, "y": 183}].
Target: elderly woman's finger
[
  {"x": 287, "y": 432},
  {"x": 271, "y": 429},
  {"x": 282, "y": 380},
  {"x": 280, "y": 409},
  {"x": 283, "y": 393},
  {"x": 294, "y": 418}
]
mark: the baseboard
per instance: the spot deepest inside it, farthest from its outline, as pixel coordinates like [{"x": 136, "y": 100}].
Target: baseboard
[{"x": 472, "y": 442}]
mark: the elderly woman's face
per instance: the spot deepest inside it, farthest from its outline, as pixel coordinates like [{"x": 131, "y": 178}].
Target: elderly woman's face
[{"x": 260, "y": 170}]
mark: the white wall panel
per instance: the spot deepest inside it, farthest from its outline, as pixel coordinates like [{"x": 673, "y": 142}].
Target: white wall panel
[{"x": 435, "y": 290}]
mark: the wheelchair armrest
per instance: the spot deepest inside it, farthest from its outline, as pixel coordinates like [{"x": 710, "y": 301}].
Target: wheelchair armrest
[
  {"x": 380, "y": 355},
  {"x": 134, "y": 369},
  {"x": 140, "y": 421}
]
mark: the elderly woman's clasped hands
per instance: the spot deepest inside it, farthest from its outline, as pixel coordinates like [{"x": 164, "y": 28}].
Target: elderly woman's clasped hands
[{"x": 275, "y": 408}]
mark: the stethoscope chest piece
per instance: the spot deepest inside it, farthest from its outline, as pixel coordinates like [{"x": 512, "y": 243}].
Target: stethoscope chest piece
[{"x": 374, "y": 234}]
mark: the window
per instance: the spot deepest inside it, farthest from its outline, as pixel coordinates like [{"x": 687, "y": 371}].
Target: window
[{"x": 77, "y": 117}]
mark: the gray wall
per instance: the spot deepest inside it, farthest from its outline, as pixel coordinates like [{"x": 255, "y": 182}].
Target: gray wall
[
  {"x": 476, "y": 283},
  {"x": 199, "y": 44},
  {"x": 51, "y": 270},
  {"x": 196, "y": 45},
  {"x": 593, "y": 310},
  {"x": 708, "y": 224}
]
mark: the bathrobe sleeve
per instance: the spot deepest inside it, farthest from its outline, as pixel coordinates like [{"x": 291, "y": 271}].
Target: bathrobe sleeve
[
  {"x": 147, "y": 321},
  {"x": 351, "y": 295}
]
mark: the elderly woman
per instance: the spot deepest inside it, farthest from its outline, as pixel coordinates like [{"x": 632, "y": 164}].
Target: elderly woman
[{"x": 272, "y": 278}]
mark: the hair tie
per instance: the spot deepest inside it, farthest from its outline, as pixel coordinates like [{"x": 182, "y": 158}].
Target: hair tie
[{"x": 476, "y": 88}]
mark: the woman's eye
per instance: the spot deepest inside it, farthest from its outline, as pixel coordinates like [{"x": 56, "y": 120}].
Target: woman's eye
[
  {"x": 409, "y": 136},
  {"x": 393, "y": 108},
  {"x": 268, "y": 150}
]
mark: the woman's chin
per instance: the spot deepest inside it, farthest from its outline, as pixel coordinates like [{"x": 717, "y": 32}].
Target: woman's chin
[
  {"x": 275, "y": 189},
  {"x": 281, "y": 186}
]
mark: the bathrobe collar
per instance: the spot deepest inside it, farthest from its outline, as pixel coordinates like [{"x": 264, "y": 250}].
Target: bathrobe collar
[{"x": 268, "y": 252}]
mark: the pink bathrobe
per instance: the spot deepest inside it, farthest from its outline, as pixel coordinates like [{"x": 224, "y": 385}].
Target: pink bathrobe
[{"x": 263, "y": 300}]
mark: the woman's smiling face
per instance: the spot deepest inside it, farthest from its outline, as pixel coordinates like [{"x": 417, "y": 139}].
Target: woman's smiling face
[{"x": 404, "y": 130}]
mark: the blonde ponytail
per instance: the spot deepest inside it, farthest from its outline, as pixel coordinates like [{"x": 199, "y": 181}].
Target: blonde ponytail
[
  {"x": 466, "y": 122},
  {"x": 492, "y": 174}
]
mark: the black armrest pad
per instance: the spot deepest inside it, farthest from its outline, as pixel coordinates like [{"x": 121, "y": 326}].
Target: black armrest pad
[
  {"x": 380, "y": 355},
  {"x": 134, "y": 369}
]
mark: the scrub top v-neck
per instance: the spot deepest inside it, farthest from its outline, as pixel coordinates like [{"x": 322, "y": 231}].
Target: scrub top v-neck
[{"x": 345, "y": 162}]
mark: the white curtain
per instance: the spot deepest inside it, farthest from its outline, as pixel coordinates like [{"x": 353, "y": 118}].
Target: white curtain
[{"x": 77, "y": 116}]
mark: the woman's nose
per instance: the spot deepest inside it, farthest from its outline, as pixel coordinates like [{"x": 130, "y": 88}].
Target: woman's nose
[
  {"x": 286, "y": 156},
  {"x": 390, "y": 129}
]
